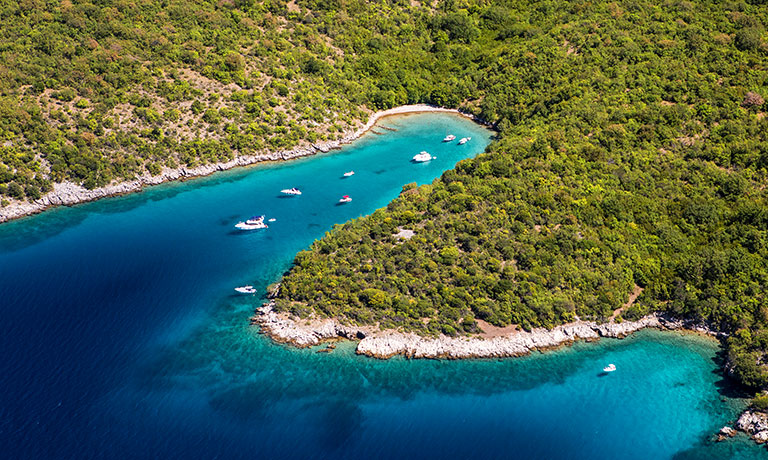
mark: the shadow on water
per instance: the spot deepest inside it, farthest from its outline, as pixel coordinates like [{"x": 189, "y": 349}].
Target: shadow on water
[
  {"x": 739, "y": 447},
  {"x": 337, "y": 421},
  {"x": 241, "y": 355},
  {"x": 726, "y": 386},
  {"x": 31, "y": 230},
  {"x": 245, "y": 402}
]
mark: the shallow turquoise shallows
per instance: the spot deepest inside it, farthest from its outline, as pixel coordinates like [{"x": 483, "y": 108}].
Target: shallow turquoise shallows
[{"x": 123, "y": 338}]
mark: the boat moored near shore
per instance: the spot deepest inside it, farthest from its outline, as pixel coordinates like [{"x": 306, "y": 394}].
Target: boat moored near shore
[
  {"x": 422, "y": 157},
  {"x": 291, "y": 191},
  {"x": 253, "y": 223},
  {"x": 449, "y": 138}
]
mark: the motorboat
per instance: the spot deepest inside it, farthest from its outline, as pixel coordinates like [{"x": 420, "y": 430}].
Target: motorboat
[
  {"x": 345, "y": 199},
  {"x": 609, "y": 368},
  {"x": 349, "y": 173},
  {"x": 449, "y": 138},
  {"x": 246, "y": 289},
  {"x": 291, "y": 191},
  {"x": 253, "y": 223},
  {"x": 464, "y": 140},
  {"x": 272, "y": 220},
  {"x": 422, "y": 157}
]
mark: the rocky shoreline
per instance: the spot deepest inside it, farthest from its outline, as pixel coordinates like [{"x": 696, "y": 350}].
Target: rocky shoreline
[
  {"x": 68, "y": 193},
  {"x": 755, "y": 424},
  {"x": 386, "y": 344},
  {"x": 382, "y": 344}
]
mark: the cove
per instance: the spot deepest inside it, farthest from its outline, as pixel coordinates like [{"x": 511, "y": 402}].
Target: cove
[{"x": 122, "y": 338}]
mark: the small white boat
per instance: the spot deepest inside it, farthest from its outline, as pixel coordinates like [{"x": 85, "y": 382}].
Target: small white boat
[
  {"x": 609, "y": 368},
  {"x": 422, "y": 157},
  {"x": 350, "y": 173},
  {"x": 253, "y": 223},
  {"x": 449, "y": 138},
  {"x": 464, "y": 140},
  {"x": 345, "y": 199},
  {"x": 246, "y": 289},
  {"x": 291, "y": 191}
]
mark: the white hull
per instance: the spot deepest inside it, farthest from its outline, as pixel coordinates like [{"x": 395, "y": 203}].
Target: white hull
[
  {"x": 348, "y": 174},
  {"x": 244, "y": 226},
  {"x": 251, "y": 225},
  {"x": 449, "y": 138},
  {"x": 422, "y": 157},
  {"x": 291, "y": 191},
  {"x": 246, "y": 290}
]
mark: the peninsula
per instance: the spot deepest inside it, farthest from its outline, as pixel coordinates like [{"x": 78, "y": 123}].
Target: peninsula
[{"x": 628, "y": 182}]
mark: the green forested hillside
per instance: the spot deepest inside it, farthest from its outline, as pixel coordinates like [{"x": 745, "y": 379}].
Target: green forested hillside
[
  {"x": 633, "y": 151},
  {"x": 632, "y": 145}
]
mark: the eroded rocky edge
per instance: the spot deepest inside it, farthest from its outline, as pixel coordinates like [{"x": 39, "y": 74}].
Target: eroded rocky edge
[
  {"x": 384, "y": 344},
  {"x": 754, "y": 423},
  {"x": 68, "y": 193}
]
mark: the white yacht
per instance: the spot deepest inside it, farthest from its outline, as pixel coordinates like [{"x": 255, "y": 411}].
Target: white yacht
[
  {"x": 609, "y": 368},
  {"x": 349, "y": 173},
  {"x": 272, "y": 220},
  {"x": 464, "y": 140},
  {"x": 345, "y": 199},
  {"x": 291, "y": 191},
  {"x": 246, "y": 289},
  {"x": 253, "y": 223},
  {"x": 422, "y": 157},
  {"x": 449, "y": 138}
]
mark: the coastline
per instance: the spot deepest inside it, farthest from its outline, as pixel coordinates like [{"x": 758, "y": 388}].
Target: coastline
[
  {"x": 69, "y": 193},
  {"x": 384, "y": 344}
]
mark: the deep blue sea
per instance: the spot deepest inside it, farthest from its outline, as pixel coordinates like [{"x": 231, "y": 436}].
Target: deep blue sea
[{"x": 122, "y": 338}]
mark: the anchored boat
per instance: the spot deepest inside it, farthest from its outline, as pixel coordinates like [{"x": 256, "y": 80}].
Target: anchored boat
[
  {"x": 253, "y": 223},
  {"x": 422, "y": 157}
]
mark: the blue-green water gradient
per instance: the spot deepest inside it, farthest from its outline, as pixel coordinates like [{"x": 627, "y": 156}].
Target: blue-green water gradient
[{"x": 122, "y": 338}]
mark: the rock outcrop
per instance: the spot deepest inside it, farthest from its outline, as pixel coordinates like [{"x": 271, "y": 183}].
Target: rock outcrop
[
  {"x": 755, "y": 424},
  {"x": 301, "y": 333},
  {"x": 385, "y": 344}
]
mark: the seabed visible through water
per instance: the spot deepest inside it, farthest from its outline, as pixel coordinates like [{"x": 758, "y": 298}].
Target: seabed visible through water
[{"x": 123, "y": 338}]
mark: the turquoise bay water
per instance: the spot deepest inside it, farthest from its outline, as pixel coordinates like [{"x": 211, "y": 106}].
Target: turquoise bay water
[{"x": 123, "y": 339}]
